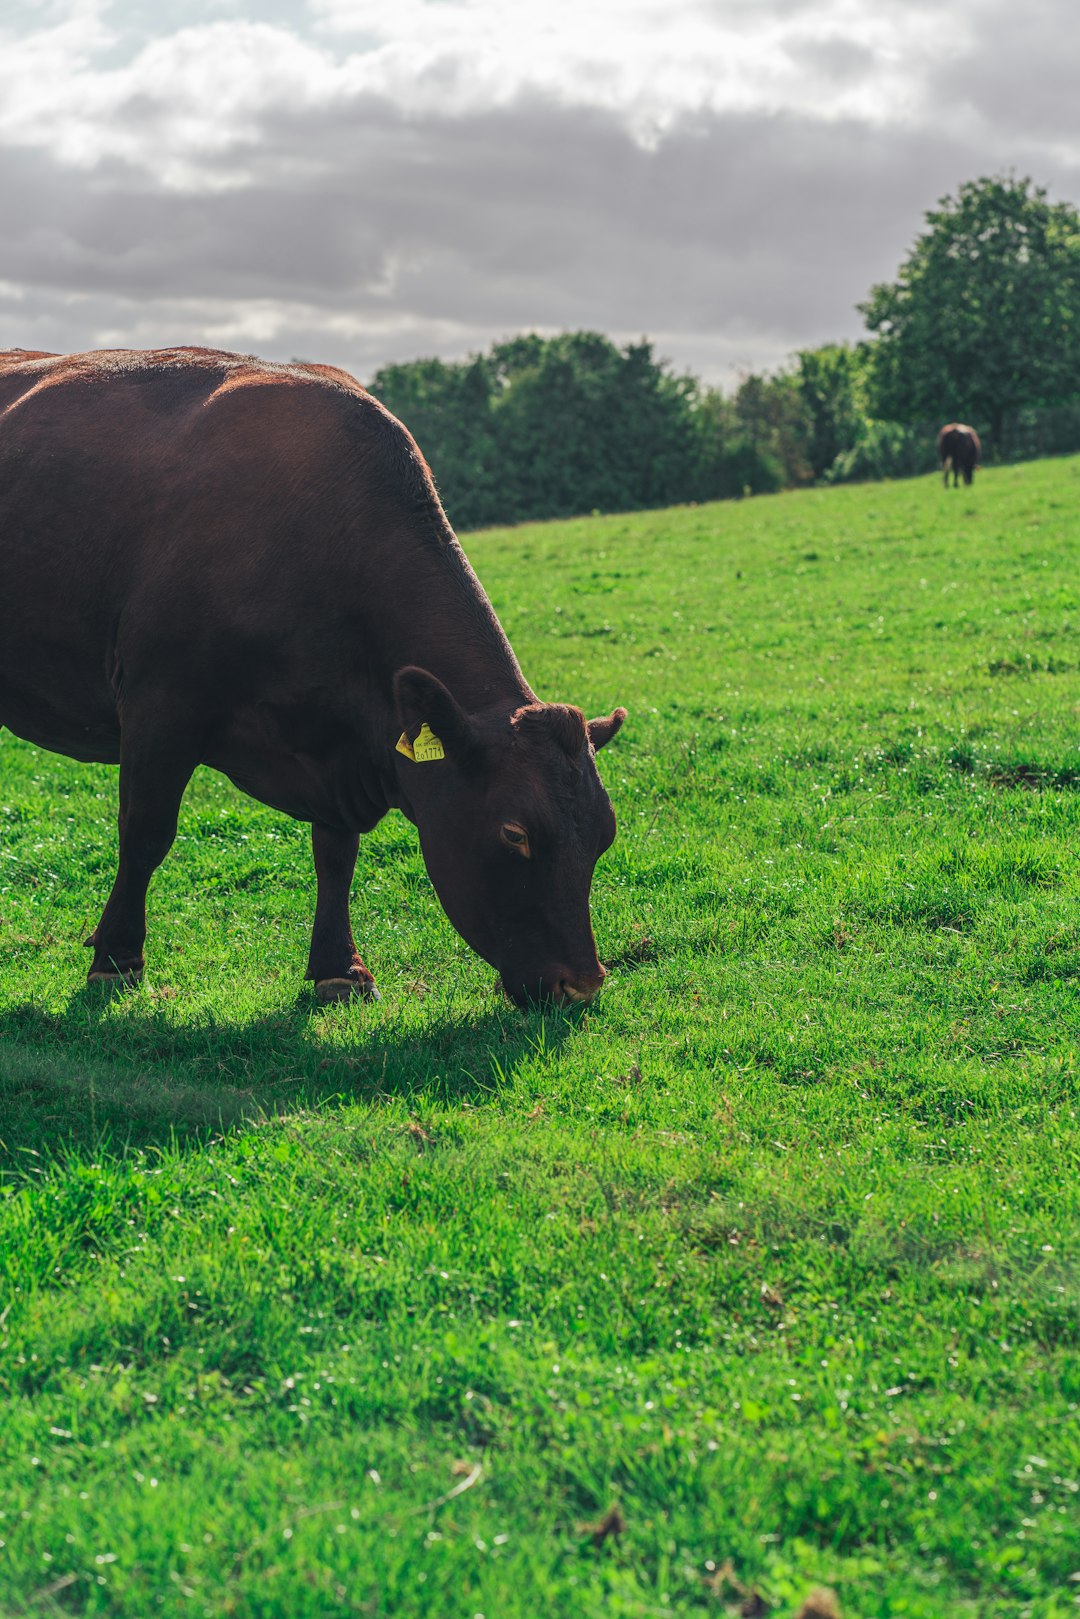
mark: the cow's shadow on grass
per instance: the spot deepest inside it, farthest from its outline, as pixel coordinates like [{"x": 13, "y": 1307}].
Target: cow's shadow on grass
[{"x": 86, "y": 1078}]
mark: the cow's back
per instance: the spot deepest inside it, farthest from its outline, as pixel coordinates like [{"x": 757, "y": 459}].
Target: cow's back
[{"x": 958, "y": 436}]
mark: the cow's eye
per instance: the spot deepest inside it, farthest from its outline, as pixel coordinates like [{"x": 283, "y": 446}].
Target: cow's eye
[{"x": 515, "y": 837}]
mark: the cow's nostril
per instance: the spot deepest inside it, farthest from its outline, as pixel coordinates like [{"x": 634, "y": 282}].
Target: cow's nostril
[
  {"x": 579, "y": 992},
  {"x": 557, "y": 987}
]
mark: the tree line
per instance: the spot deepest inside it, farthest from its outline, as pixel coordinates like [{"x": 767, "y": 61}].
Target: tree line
[{"x": 982, "y": 324}]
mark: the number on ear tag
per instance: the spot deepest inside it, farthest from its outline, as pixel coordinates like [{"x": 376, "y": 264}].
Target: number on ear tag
[{"x": 425, "y": 750}]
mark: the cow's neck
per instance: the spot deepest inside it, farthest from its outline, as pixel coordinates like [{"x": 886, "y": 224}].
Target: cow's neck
[{"x": 445, "y": 623}]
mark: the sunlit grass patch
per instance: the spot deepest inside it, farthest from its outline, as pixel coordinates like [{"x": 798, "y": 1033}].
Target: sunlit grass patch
[{"x": 760, "y": 1275}]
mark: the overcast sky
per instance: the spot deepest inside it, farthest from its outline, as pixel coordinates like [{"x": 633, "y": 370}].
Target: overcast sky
[{"x": 359, "y": 181}]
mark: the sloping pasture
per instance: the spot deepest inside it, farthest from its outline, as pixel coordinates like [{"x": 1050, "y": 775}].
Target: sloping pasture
[{"x": 760, "y": 1276}]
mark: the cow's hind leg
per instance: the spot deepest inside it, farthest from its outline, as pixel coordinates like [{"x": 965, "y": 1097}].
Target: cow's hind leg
[
  {"x": 334, "y": 962},
  {"x": 157, "y": 759}
]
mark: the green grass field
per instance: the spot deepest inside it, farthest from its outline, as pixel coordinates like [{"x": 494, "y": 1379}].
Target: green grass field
[{"x": 763, "y": 1275}]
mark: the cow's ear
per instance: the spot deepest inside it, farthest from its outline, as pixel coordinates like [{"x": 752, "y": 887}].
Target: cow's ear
[
  {"x": 423, "y": 699},
  {"x": 602, "y": 731}
]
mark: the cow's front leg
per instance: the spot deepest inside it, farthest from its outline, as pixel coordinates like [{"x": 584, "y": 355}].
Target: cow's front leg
[
  {"x": 157, "y": 760},
  {"x": 334, "y": 962}
]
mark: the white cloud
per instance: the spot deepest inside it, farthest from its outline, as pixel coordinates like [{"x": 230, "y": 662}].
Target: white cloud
[
  {"x": 653, "y": 60},
  {"x": 185, "y": 99},
  {"x": 174, "y": 110}
]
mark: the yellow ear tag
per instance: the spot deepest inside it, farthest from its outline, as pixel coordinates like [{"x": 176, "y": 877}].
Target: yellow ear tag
[{"x": 425, "y": 750}]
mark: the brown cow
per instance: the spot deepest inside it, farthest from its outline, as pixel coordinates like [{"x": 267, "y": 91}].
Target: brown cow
[
  {"x": 960, "y": 452},
  {"x": 208, "y": 559}
]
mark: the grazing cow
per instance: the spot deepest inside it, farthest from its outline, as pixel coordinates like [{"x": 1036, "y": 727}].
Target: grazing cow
[
  {"x": 208, "y": 559},
  {"x": 960, "y": 452}
]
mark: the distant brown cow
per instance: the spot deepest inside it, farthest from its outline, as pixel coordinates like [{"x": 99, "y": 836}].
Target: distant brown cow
[
  {"x": 960, "y": 452},
  {"x": 209, "y": 559}
]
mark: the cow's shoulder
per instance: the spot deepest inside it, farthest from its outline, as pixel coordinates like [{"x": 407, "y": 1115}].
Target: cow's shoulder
[
  {"x": 317, "y": 392},
  {"x": 326, "y": 417}
]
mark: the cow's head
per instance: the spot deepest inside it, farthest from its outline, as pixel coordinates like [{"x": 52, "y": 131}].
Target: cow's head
[{"x": 512, "y": 820}]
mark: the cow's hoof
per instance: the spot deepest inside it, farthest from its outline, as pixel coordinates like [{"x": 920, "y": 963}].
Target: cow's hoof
[{"x": 330, "y": 990}]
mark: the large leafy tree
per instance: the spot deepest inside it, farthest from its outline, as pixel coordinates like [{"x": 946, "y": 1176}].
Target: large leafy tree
[
  {"x": 584, "y": 425},
  {"x": 830, "y": 381},
  {"x": 549, "y": 427},
  {"x": 984, "y": 316}
]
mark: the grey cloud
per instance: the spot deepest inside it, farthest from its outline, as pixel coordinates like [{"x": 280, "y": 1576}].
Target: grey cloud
[
  {"x": 1019, "y": 74},
  {"x": 836, "y": 59},
  {"x": 739, "y": 238}
]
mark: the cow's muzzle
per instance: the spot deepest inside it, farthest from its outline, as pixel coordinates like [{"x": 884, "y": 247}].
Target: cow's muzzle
[{"x": 559, "y": 987}]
